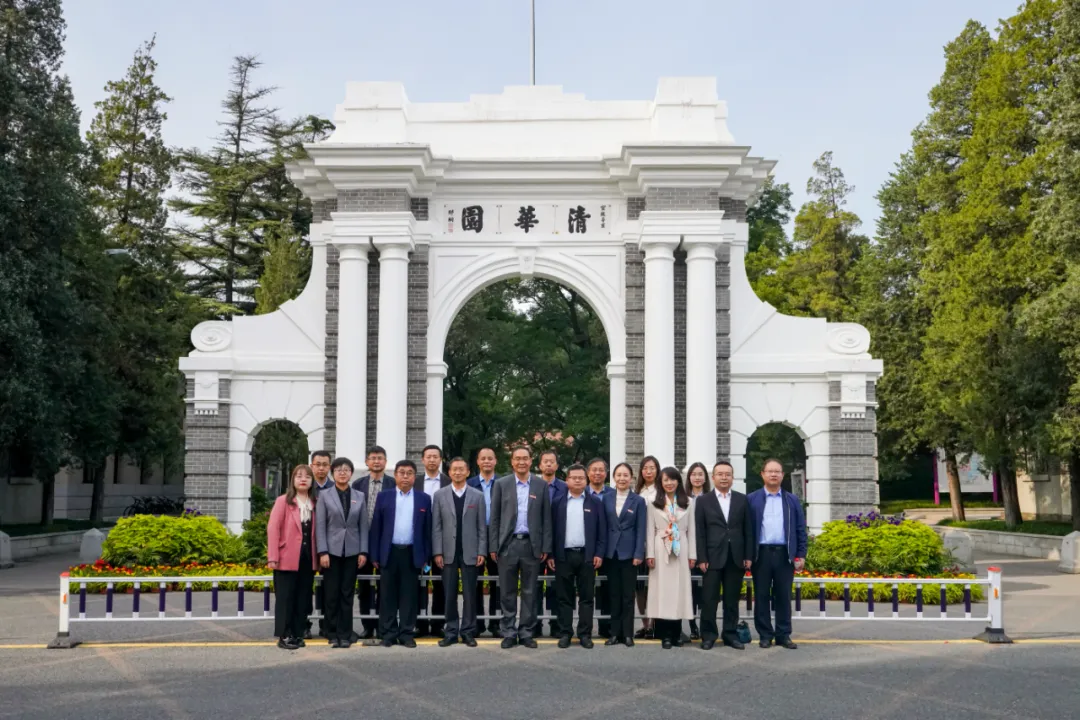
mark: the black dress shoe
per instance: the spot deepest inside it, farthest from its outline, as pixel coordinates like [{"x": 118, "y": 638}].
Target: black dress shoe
[
  {"x": 694, "y": 634},
  {"x": 640, "y": 634},
  {"x": 707, "y": 644},
  {"x": 448, "y": 641},
  {"x": 786, "y": 643},
  {"x": 735, "y": 644},
  {"x": 469, "y": 641},
  {"x": 508, "y": 643},
  {"x": 650, "y": 634},
  {"x": 387, "y": 643},
  {"x": 496, "y": 633},
  {"x": 334, "y": 642},
  {"x": 408, "y": 642},
  {"x": 529, "y": 643},
  {"x": 629, "y": 642},
  {"x": 344, "y": 644},
  {"x": 586, "y": 642},
  {"x": 299, "y": 642},
  {"x": 666, "y": 643},
  {"x": 765, "y": 643},
  {"x": 367, "y": 634},
  {"x": 564, "y": 642},
  {"x": 354, "y": 637},
  {"x": 683, "y": 639},
  {"x": 307, "y": 634},
  {"x": 613, "y": 641},
  {"x": 287, "y": 644}
]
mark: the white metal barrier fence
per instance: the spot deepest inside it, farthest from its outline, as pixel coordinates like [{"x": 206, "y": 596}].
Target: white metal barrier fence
[{"x": 261, "y": 584}]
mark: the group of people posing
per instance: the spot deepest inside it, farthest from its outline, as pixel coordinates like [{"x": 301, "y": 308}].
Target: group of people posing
[{"x": 648, "y": 537}]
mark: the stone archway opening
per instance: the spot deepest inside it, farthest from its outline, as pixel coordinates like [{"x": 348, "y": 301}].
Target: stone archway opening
[
  {"x": 775, "y": 440},
  {"x": 276, "y": 447},
  {"x": 526, "y": 360}
]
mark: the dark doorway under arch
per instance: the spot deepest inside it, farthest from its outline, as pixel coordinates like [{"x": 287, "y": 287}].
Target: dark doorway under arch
[{"x": 774, "y": 440}]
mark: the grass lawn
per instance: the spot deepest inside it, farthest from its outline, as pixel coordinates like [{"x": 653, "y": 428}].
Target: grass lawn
[
  {"x": 57, "y": 526},
  {"x": 1036, "y": 527},
  {"x": 891, "y": 507}
]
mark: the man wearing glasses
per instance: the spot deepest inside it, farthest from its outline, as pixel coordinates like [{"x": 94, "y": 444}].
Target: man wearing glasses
[{"x": 780, "y": 526}]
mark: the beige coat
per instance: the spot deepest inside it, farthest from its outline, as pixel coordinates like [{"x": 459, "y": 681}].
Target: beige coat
[{"x": 669, "y": 582}]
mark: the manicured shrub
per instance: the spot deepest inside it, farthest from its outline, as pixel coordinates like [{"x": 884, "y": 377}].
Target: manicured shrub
[
  {"x": 151, "y": 540},
  {"x": 254, "y": 538},
  {"x": 877, "y": 544}
]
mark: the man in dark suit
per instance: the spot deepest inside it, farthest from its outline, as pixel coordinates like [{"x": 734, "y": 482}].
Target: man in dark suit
[
  {"x": 484, "y": 481},
  {"x": 580, "y": 541},
  {"x": 371, "y": 485},
  {"x": 725, "y": 538},
  {"x": 400, "y": 547},
  {"x": 434, "y": 479},
  {"x": 780, "y": 550},
  {"x": 549, "y": 465},
  {"x": 519, "y": 539},
  {"x": 597, "y": 474}
]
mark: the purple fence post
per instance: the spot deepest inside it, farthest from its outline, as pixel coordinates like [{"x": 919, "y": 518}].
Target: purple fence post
[
  {"x": 944, "y": 601},
  {"x": 82, "y": 601},
  {"x": 895, "y": 600},
  {"x": 798, "y": 598},
  {"x": 108, "y": 599},
  {"x": 240, "y": 599},
  {"x": 161, "y": 601},
  {"x": 918, "y": 601},
  {"x": 749, "y": 596},
  {"x": 135, "y": 595},
  {"x": 213, "y": 599},
  {"x": 187, "y": 599},
  {"x": 266, "y": 599},
  {"x": 870, "y": 588},
  {"x": 967, "y": 601},
  {"x": 821, "y": 598},
  {"x": 847, "y": 600}
]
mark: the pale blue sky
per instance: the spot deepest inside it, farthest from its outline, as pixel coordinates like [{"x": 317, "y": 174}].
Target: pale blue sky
[{"x": 799, "y": 77}]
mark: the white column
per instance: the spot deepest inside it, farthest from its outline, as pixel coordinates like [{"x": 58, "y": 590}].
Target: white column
[
  {"x": 660, "y": 346},
  {"x": 436, "y": 373},
  {"x": 390, "y": 418},
  {"x": 701, "y": 348},
  {"x": 616, "y": 371},
  {"x": 352, "y": 350},
  {"x": 238, "y": 488}
]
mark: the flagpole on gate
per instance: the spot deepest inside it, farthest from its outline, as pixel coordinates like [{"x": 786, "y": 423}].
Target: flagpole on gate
[{"x": 532, "y": 44}]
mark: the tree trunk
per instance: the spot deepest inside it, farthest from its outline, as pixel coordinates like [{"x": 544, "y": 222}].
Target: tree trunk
[
  {"x": 1006, "y": 471},
  {"x": 48, "y": 495},
  {"x": 1074, "y": 485},
  {"x": 956, "y": 500},
  {"x": 97, "y": 496}
]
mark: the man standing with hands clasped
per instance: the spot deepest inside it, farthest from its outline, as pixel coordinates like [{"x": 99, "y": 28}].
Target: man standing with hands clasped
[
  {"x": 781, "y": 551},
  {"x": 725, "y": 536},
  {"x": 519, "y": 540},
  {"x": 459, "y": 542},
  {"x": 580, "y": 537}
]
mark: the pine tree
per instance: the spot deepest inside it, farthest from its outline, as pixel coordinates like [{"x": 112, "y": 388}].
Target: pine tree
[
  {"x": 287, "y": 258},
  {"x": 768, "y": 243},
  {"x": 133, "y": 172}
]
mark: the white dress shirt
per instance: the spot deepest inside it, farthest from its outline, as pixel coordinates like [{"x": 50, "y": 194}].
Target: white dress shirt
[
  {"x": 725, "y": 503},
  {"x": 575, "y": 521},
  {"x": 460, "y": 492},
  {"x": 431, "y": 484},
  {"x": 620, "y": 501}
]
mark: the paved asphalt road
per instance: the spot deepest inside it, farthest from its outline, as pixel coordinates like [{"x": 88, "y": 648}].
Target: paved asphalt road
[{"x": 843, "y": 670}]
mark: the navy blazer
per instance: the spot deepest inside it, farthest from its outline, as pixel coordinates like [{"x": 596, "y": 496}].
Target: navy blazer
[
  {"x": 595, "y": 527},
  {"x": 794, "y": 523},
  {"x": 626, "y": 532},
  {"x": 560, "y": 489},
  {"x": 381, "y": 535}
]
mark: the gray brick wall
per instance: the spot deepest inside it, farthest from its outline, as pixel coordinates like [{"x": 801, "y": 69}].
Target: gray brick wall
[
  {"x": 635, "y": 355},
  {"x": 206, "y": 456},
  {"x": 374, "y": 200},
  {"x": 680, "y": 198},
  {"x": 373, "y": 347},
  {"x": 416, "y": 409},
  {"x": 852, "y": 458},
  {"x": 321, "y": 209},
  {"x": 723, "y": 353},
  {"x": 333, "y": 275},
  {"x": 419, "y": 208},
  {"x": 634, "y": 206},
  {"x": 679, "y": 291},
  {"x": 733, "y": 209}
]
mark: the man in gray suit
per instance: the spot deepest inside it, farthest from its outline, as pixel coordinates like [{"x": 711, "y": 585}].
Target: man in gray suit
[
  {"x": 459, "y": 542},
  {"x": 519, "y": 540}
]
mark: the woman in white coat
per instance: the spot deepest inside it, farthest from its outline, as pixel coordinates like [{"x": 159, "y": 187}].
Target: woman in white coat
[{"x": 670, "y": 552}]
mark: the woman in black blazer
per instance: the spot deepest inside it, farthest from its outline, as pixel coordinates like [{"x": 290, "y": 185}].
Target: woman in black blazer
[
  {"x": 697, "y": 484},
  {"x": 625, "y": 552}
]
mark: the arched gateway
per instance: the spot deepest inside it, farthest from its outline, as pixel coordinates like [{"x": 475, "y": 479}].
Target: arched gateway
[{"x": 638, "y": 206}]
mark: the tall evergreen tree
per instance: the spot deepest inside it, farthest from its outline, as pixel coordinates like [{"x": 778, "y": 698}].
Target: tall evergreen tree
[
  {"x": 287, "y": 260},
  {"x": 768, "y": 243},
  {"x": 983, "y": 266},
  {"x": 133, "y": 171}
]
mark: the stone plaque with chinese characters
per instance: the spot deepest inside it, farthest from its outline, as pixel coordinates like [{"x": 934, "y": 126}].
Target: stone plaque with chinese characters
[{"x": 528, "y": 218}]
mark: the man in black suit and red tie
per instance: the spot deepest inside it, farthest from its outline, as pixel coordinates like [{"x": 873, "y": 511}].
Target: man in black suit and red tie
[{"x": 725, "y": 539}]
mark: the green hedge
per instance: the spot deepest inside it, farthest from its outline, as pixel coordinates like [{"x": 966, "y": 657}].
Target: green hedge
[
  {"x": 193, "y": 570},
  {"x": 880, "y": 545},
  {"x": 154, "y": 540},
  {"x": 1035, "y": 527},
  {"x": 254, "y": 537}
]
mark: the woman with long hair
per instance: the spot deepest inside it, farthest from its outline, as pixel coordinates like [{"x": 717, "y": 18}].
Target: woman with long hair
[
  {"x": 648, "y": 474},
  {"x": 290, "y": 553},
  {"x": 697, "y": 484},
  {"x": 670, "y": 551},
  {"x": 626, "y": 524}
]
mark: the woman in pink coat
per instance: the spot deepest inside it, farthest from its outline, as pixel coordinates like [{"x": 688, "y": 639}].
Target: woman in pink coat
[{"x": 290, "y": 553}]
